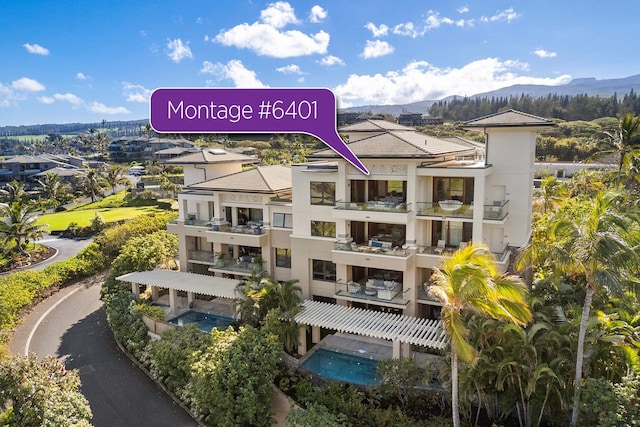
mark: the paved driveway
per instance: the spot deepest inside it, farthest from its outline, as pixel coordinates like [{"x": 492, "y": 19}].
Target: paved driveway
[{"x": 72, "y": 326}]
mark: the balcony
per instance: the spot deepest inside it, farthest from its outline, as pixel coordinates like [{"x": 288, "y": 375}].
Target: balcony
[
  {"x": 387, "y": 293},
  {"x": 381, "y": 211},
  {"x": 201, "y": 257},
  {"x": 244, "y": 266},
  {"x": 424, "y": 297},
  {"x": 373, "y": 254},
  {"x": 430, "y": 256},
  {"x": 497, "y": 211},
  {"x": 244, "y": 235}
]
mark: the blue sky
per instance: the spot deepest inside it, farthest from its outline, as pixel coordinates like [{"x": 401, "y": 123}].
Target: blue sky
[{"x": 85, "y": 61}]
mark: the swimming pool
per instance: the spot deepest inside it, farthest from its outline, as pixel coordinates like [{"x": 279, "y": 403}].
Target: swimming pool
[
  {"x": 342, "y": 367},
  {"x": 205, "y": 321}
]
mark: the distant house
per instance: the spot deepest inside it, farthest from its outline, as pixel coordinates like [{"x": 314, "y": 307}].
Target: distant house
[
  {"x": 24, "y": 168},
  {"x": 144, "y": 147},
  {"x": 417, "y": 119}
]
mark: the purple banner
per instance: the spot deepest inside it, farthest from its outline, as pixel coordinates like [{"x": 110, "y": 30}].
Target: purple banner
[{"x": 270, "y": 110}]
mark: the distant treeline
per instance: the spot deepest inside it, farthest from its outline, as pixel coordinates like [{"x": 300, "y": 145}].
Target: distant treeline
[
  {"x": 565, "y": 107},
  {"x": 114, "y": 128}
]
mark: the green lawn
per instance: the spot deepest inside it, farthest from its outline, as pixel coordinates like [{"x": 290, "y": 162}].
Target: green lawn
[{"x": 60, "y": 221}]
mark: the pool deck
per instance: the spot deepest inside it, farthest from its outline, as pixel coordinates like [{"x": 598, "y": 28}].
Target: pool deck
[
  {"x": 366, "y": 347},
  {"x": 219, "y": 306}
]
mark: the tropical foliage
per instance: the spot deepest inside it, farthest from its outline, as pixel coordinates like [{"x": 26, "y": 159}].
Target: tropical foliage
[
  {"x": 469, "y": 280},
  {"x": 41, "y": 393}
]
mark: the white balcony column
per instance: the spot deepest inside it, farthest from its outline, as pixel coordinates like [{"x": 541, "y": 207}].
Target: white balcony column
[
  {"x": 315, "y": 334},
  {"x": 397, "y": 349},
  {"x": 154, "y": 293},
  {"x": 190, "y": 298},
  {"x": 478, "y": 208},
  {"x": 135, "y": 290},
  {"x": 302, "y": 340},
  {"x": 173, "y": 296}
]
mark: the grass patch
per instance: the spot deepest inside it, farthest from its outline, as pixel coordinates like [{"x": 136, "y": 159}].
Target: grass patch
[
  {"x": 82, "y": 217},
  {"x": 112, "y": 201}
]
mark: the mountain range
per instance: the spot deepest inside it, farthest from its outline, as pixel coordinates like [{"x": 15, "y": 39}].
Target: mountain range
[{"x": 581, "y": 86}]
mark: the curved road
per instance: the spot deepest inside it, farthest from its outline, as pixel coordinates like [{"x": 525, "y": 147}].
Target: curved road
[{"x": 72, "y": 326}]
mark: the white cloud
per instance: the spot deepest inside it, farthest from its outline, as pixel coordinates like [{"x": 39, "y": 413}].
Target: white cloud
[
  {"x": 290, "y": 69},
  {"x": 419, "y": 81},
  {"x": 463, "y": 9},
  {"x": 376, "y": 48},
  {"x": 330, "y": 60},
  {"x": 407, "y": 29},
  {"x": 178, "y": 51},
  {"x": 233, "y": 70},
  {"x": 135, "y": 93},
  {"x": 266, "y": 38},
  {"x": 46, "y": 100},
  {"x": 100, "y": 108},
  {"x": 81, "y": 76},
  {"x": 545, "y": 54},
  {"x": 36, "y": 49},
  {"x": 6, "y": 95},
  {"x": 507, "y": 15},
  {"x": 268, "y": 41},
  {"x": 68, "y": 97},
  {"x": 317, "y": 14},
  {"x": 278, "y": 15},
  {"x": 26, "y": 84},
  {"x": 379, "y": 31}
]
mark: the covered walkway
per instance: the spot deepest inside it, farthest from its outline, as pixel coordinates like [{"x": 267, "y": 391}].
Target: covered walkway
[
  {"x": 401, "y": 330},
  {"x": 180, "y": 281}
]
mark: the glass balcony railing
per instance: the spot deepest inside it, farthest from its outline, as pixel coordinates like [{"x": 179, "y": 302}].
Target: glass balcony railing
[
  {"x": 373, "y": 247},
  {"x": 454, "y": 209},
  {"x": 202, "y": 256},
  {"x": 383, "y": 292},
  {"x": 374, "y": 206},
  {"x": 248, "y": 266},
  {"x": 450, "y": 210},
  {"x": 240, "y": 229}
]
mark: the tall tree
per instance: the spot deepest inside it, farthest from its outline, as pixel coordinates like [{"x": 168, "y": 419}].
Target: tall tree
[
  {"x": 469, "y": 280},
  {"x": 19, "y": 223},
  {"x": 91, "y": 184},
  {"x": 626, "y": 142},
  {"x": 591, "y": 247},
  {"x": 53, "y": 189},
  {"x": 115, "y": 176}
]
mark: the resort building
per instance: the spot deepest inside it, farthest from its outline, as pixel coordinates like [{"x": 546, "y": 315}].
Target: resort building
[{"x": 357, "y": 241}]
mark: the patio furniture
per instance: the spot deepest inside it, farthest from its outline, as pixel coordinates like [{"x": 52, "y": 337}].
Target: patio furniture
[
  {"x": 440, "y": 247},
  {"x": 450, "y": 205}
]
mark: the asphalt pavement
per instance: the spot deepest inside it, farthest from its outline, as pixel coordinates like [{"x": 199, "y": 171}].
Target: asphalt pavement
[{"x": 72, "y": 326}]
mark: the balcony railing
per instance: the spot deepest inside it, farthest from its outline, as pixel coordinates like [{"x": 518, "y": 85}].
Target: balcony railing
[
  {"x": 206, "y": 257},
  {"x": 388, "y": 292},
  {"x": 496, "y": 211},
  {"x": 248, "y": 266},
  {"x": 373, "y": 247},
  {"x": 436, "y": 209},
  {"x": 240, "y": 229},
  {"x": 375, "y": 206}
]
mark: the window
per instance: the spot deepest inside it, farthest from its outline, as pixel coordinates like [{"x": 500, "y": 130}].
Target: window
[
  {"x": 324, "y": 270},
  {"x": 283, "y": 257},
  {"x": 283, "y": 220},
  {"x": 323, "y": 193},
  {"x": 323, "y": 228}
]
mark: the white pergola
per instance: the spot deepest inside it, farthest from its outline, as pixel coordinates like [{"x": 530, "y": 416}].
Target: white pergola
[
  {"x": 398, "y": 328},
  {"x": 180, "y": 281}
]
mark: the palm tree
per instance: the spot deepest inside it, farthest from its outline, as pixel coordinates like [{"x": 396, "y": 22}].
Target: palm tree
[
  {"x": 115, "y": 176},
  {"x": 14, "y": 192},
  {"x": 19, "y": 223},
  {"x": 591, "y": 248},
  {"x": 91, "y": 184},
  {"x": 53, "y": 189},
  {"x": 552, "y": 192},
  {"x": 626, "y": 143},
  {"x": 469, "y": 280}
]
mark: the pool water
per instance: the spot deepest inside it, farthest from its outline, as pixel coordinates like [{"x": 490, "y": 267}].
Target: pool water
[
  {"x": 205, "y": 321},
  {"x": 342, "y": 367}
]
